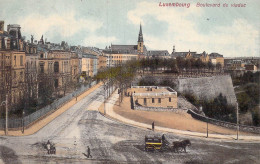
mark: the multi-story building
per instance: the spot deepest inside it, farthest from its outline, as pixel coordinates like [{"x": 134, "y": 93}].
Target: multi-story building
[
  {"x": 74, "y": 66},
  {"x": 89, "y": 65},
  {"x": 12, "y": 65},
  {"x": 163, "y": 54},
  {"x": 118, "y": 54},
  {"x": 216, "y": 58},
  {"x": 31, "y": 69}
]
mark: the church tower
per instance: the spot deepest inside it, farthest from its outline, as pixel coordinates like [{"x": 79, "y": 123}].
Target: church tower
[{"x": 140, "y": 42}]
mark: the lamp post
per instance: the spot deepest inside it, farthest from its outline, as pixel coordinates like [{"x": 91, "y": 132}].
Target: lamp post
[
  {"x": 23, "y": 121},
  {"x": 237, "y": 121},
  {"x": 105, "y": 88}
]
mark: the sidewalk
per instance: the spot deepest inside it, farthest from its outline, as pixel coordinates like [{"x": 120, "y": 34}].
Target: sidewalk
[
  {"x": 110, "y": 112},
  {"x": 47, "y": 119}
]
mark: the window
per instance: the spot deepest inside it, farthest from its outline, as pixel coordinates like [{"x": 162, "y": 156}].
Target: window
[
  {"x": 41, "y": 68},
  {"x": 41, "y": 56},
  {"x": 21, "y": 60},
  {"x": 15, "y": 60},
  {"x": 56, "y": 67},
  {"x": 159, "y": 100},
  {"x": 170, "y": 99},
  {"x": 152, "y": 100},
  {"x": 144, "y": 101}
]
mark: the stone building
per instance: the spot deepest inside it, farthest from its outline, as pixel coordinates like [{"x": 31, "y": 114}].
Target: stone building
[
  {"x": 31, "y": 69},
  {"x": 74, "y": 66},
  {"x": 118, "y": 54},
  {"x": 153, "y": 96},
  {"x": 12, "y": 65},
  {"x": 217, "y": 58},
  {"x": 89, "y": 65},
  {"x": 163, "y": 54}
]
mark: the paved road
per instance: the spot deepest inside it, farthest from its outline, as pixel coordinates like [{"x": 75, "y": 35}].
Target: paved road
[{"x": 112, "y": 142}]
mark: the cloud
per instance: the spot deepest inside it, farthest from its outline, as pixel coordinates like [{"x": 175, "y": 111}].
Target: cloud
[
  {"x": 66, "y": 24},
  {"x": 94, "y": 40},
  {"x": 239, "y": 38}
]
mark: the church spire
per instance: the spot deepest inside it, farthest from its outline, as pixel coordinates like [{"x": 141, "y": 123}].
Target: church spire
[{"x": 140, "y": 37}]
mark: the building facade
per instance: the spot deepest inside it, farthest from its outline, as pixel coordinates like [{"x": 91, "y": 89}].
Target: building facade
[{"x": 153, "y": 96}]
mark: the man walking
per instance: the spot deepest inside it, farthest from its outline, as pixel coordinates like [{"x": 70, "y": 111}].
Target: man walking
[
  {"x": 153, "y": 126},
  {"x": 89, "y": 155}
]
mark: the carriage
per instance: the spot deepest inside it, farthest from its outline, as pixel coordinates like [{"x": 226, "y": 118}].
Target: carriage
[
  {"x": 153, "y": 143},
  {"x": 158, "y": 143}
]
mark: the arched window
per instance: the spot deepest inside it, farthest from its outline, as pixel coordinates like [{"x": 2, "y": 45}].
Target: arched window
[{"x": 56, "y": 67}]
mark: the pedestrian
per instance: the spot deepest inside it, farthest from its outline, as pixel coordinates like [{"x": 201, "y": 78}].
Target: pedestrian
[
  {"x": 153, "y": 126},
  {"x": 48, "y": 145},
  {"x": 89, "y": 155}
]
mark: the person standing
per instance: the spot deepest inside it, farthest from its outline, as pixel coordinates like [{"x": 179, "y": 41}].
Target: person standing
[
  {"x": 153, "y": 126},
  {"x": 48, "y": 145},
  {"x": 89, "y": 155}
]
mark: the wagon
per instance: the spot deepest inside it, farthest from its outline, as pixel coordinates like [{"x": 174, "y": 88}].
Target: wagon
[{"x": 153, "y": 143}]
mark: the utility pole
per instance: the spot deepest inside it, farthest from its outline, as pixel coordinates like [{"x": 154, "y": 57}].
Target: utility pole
[
  {"x": 6, "y": 115},
  {"x": 237, "y": 121},
  {"x": 105, "y": 99}
]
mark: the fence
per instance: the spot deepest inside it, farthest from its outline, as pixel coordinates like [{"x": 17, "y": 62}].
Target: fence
[
  {"x": 251, "y": 129},
  {"x": 30, "y": 119}
]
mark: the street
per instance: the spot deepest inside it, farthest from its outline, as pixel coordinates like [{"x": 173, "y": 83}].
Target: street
[{"x": 113, "y": 142}]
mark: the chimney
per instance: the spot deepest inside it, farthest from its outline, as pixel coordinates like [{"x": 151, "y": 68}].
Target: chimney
[{"x": 2, "y": 24}]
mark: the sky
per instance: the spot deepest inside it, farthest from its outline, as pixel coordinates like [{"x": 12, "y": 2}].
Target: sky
[{"x": 229, "y": 31}]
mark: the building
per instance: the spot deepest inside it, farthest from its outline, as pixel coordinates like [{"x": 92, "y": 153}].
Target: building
[
  {"x": 102, "y": 62},
  {"x": 12, "y": 65},
  {"x": 89, "y": 65},
  {"x": 31, "y": 69},
  {"x": 153, "y": 97},
  {"x": 216, "y": 58},
  {"x": 251, "y": 67},
  {"x": 163, "y": 54},
  {"x": 118, "y": 54},
  {"x": 74, "y": 66}
]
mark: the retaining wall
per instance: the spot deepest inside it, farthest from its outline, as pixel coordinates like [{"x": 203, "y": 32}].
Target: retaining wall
[{"x": 251, "y": 129}]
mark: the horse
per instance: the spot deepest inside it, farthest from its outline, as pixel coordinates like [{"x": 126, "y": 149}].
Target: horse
[{"x": 176, "y": 145}]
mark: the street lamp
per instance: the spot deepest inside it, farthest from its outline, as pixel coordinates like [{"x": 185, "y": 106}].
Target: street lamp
[
  {"x": 105, "y": 88},
  {"x": 23, "y": 121},
  {"x": 237, "y": 121}
]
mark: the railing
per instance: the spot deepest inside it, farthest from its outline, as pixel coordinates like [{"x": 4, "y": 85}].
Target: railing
[
  {"x": 252, "y": 129},
  {"x": 33, "y": 117}
]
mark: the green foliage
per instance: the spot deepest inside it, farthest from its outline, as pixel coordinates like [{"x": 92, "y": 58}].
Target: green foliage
[
  {"x": 244, "y": 101},
  {"x": 217, "y": 108},
  {"x": 256, "y": 116},
  {"x": 192, "y": 99}
]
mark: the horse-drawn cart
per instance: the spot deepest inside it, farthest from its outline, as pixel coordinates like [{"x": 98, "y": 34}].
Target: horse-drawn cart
[{"x": 157, "y": 143}]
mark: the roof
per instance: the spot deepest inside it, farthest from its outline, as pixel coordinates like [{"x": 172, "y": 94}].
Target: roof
[
  {"x": 158, "y": 53},
  {"x": 124, "y": 49},
  {"x": 183, "y": 54},
  {"x": 214, "y": 55}
]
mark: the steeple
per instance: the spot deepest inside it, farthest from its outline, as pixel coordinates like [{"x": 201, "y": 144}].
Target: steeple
[
  {"x": 140, "y": 42},
  {"x": 140, "y": 37}
]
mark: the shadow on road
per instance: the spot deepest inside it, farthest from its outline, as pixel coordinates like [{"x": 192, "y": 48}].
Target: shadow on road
[{"x": 8, "y": 155}]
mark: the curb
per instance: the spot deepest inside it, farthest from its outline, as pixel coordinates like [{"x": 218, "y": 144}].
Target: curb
[{"x": 215, "y": 138}]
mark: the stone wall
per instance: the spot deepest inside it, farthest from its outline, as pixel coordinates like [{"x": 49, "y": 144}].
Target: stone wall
[
  {"x": 251, "y": 129},
  {"x": 201, "y": 86}
]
